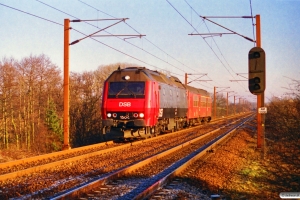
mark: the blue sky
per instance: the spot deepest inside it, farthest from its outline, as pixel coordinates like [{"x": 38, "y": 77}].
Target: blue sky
[{"x": 167, "y": 45}]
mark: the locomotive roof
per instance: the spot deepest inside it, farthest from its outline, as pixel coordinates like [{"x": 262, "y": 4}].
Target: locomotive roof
[
  {"x": 171, "y": 80},
  {"x": 158, "y": 76}
]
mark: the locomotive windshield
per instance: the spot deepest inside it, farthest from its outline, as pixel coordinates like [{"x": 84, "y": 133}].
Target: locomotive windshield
[{"x": 126, "y": 90}]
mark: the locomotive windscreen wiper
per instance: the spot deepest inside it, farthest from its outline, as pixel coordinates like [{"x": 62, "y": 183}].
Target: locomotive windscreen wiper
[
  {"x": 126, "y": 87},
  {"x": 120, "y": 92},
  {"x": 131, "y": 92}
]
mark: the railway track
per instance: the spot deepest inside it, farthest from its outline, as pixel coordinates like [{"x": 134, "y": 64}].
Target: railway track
[
  {"x": 192, "y": 183},
  {"x": 21, "y": 167},
  {"x": 58, "y": 174},
  {"x": 33, "y": 164},
  {"x": 140, "y": 180}
]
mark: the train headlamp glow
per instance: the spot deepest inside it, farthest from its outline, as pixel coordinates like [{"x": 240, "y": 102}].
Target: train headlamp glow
[
  {"x": 108, "y": 114},
  {"x": 127, "y": 77},
  {"x": 141, "y": 115}
]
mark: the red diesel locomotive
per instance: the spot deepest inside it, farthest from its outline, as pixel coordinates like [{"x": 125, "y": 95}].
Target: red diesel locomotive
[{"x": 140, "y": 100}]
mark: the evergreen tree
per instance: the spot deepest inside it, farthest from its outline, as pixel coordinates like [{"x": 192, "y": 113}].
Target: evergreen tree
[{"x": 53, "y": 123}]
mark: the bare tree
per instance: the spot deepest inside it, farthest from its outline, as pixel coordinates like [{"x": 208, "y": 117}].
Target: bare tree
[
  {"x": 85, "y": 103},
  {"x": 38, "y": 81},
  {"x": 8, "y": 96},
  {"x": 220, "y": 105},
  {"x": 31, "y": 104}
]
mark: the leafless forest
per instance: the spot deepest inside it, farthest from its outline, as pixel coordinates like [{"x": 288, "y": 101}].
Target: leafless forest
[{"x": 31, "y": 92}]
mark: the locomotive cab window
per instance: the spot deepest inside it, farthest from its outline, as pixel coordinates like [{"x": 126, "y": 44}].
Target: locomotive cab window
[{"x": 126, "y": 90}]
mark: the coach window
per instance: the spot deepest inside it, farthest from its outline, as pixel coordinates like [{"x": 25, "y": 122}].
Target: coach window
[
  {"x": 195, "y": 101},
  {"x": 208, "y": 102},
  {"x": 203, "y": 102}
]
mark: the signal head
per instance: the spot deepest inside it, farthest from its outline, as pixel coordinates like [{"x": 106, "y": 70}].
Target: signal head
[{"x": 257, "y": 70}]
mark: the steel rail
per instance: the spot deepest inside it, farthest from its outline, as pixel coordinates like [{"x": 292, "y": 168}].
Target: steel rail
[
  {"x": 60, "y": 153},
  {"x": 167, "y": 175},
  {"x": 73, "y": 158},
  {"x": 75, "y": 192},
  {"x": 52, "y": 155},
  {"x": 40, "y": 168},
  {"x": 68, "y": 153},
  {"x": 50, "y": 165},
  {"x": 63, "y": 160}
]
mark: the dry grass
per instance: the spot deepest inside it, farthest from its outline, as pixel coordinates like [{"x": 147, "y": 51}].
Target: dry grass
[{"x": 239, "y": 171}]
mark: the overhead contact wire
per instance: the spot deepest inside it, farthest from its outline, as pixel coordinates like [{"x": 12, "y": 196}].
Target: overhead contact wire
[
  {"x": 197, "y": 32},
  {"x": 115, "y": 36},
  {"x": 78, "y": 32},
  {"x": 205, "y": 40},
  {"x": 110, "y": 34},
  {"x": 32, "y": 14},
  {"x": 217, "y": 48},
  {"x": 144, "y": 38},
  {"x": 252, "y": 22}
]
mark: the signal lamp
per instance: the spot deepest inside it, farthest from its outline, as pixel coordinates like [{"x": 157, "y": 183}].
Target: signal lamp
[
  {"x": 135, "y": 115},
  {"x": 257, "y": 70},
  {"x": 254, "y": 84},
  {"x": 114, "y": 115}
]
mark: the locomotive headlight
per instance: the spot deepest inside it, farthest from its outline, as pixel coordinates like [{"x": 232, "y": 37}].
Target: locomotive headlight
[
  {"x": 141, "y": 115},
  {"x": 127, "y": 77},
  {"x": 108, "y": 115}
]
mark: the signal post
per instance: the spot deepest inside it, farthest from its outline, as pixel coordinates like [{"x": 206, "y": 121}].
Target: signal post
[
  {"x": 256, "y": 79},
  {"x": 257, "y": 83}
]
